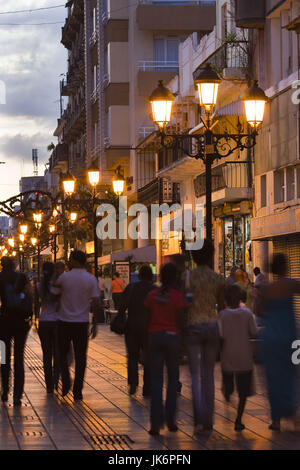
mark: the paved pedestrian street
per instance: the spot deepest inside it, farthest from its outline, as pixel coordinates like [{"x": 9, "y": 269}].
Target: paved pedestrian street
[{"x": 109, "y": 419}]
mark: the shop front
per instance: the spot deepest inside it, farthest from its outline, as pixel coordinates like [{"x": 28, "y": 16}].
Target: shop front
[
  {"x": 232, "y": 237},
  {"x": 283, "y": 233}
]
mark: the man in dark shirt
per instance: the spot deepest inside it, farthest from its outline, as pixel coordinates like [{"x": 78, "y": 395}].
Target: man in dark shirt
[
  {"x": 136, "y": 336},
  {"x": 14, "y": 325}
]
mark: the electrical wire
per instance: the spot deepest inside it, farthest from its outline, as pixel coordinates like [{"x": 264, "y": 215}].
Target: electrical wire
[
  {"x": 30, "y": 24},
  {"x": 30, "y": 10}
]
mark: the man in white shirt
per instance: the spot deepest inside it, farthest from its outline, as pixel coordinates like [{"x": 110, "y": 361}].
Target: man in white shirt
[{"x": 79, "y": 292}]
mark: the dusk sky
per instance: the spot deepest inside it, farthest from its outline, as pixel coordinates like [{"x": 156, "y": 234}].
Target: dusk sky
[{"x": 31, "y": 61}]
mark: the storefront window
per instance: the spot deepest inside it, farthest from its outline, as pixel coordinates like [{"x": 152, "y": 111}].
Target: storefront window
[{"x": 237, "y": 243}]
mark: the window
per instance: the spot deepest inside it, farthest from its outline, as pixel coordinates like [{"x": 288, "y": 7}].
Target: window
[
  {"x": 290, "y": 184},
  {"x": 166, "y": 53},
  {"x": 279, "y": 188},
  {"x": 263, "y": 191}
]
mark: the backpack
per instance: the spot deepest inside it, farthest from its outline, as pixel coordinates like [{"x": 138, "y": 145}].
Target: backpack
[{"x": 17, "y": 304}]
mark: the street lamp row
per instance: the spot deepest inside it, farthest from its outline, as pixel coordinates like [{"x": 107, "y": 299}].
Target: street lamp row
[{"x": 208, "y": 146}]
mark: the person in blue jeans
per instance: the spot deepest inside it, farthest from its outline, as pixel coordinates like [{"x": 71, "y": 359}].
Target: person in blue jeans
[
  {"x": 165, "y": 307},
  {"x": 203, "y": 340}
]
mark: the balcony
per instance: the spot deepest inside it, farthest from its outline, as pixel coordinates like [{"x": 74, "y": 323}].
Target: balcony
[
  {"x": 75, "y": 75},
  {"x": 74, "y": 120},
  {"x": 230, "y": 59},
  {"x": 73, "y": 23},
  {"x": 176, "y": 17},
  {"x": 159, "y": 191},
  {"x": 250, "y": 14},
  {"x": 59, "y": 159},
  {"x": 150, "y": 71},
  {"x": 230, "y": 183}
]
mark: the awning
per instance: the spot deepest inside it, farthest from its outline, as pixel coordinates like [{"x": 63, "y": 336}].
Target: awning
[{"x": 146, "y": 254}]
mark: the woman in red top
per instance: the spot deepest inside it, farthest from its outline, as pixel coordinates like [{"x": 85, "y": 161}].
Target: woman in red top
[{"x": 165, "y": 306}]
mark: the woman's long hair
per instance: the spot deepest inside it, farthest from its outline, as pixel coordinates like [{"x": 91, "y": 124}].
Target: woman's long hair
[
  {"x": 48, "y": 271},
  {"x": 168, "y": 276}
]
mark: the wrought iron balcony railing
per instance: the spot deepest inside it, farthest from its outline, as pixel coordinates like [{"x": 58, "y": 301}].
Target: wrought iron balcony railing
[{"x": 230, "y": 55}]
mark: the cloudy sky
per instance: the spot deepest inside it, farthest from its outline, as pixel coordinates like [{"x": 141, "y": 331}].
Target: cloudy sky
[{"x": 31, "y": 61}]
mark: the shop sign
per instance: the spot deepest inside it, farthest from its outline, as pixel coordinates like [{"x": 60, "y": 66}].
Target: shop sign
[{"x": 275, "y": 225}]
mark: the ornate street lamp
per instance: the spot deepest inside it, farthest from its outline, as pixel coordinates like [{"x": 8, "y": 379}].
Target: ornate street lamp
[
  {"x": 119, "y": 182},
  {"x": 69, "y": 184},
  {"x": 22, "y": 237},
  {"x": 207, "y": 82},
  {"x": 94, "y": 176},
  {"x": 208, "y": 146},
  {"x": 254, "y": 101},
  {"x": 161, "y": 101}
]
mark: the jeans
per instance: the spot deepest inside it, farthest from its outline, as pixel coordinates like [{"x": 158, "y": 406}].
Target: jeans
[
  {"x": 19, "y": 335},
  {"x": 49, "y": 343},
  {"x": 203, "y": 346},
  {"x": 77, "y": 333},
  {"x": 136, "y": 344},
  {"x": 163, "y": 348}
]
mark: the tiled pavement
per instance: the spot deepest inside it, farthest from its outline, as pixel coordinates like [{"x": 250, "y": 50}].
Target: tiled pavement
[{"x": 109, "y": 419}]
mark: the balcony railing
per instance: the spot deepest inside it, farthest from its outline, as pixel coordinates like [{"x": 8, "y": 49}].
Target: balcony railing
[
  {"x": 95, "y": 94},
  {"x": 231, "y": 55},
  {"x": 107, "y": 142},
  {"x": 105, "y": 80},
  {"x": 158, "y": 66},
  {"x": 94, "y": 38},
  {"x": 159, "y": 191},
  {"x": 227, "y": 175}
]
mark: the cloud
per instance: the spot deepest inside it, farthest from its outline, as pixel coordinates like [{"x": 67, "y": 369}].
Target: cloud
[{"x": 32, "y": 59}]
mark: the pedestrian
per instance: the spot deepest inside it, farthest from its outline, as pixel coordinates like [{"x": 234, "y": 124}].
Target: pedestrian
[
  {"x": 231, "y": 279},
  {"x": 260, "y": 278},
  {"x": 103, "y": 288},
  {"x": 278, "y": 335},
  {"x": 136, "y": 331},
  {"x": 117, "y": 287},
  {"x": 15, "y": 316},
  {"x": 243, "y": 281},
  {"x": 78, "y": 290},
  {"x": 259, "y": 284},
  {"x": 237, "y": 326},
  {"x": 48, "y": 327},
  {"x": 165, "y": 306},
  {"x": 208, "y": 289}
]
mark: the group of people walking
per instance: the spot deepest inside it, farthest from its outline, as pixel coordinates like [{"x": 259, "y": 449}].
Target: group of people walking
[
  {"x": 207, "y": 316},
  {"x": 66, "y": 299},
  {"x": 196, "y": 312}
]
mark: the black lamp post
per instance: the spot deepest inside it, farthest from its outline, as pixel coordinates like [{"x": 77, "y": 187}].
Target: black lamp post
[{"x": 208, "y": 146}]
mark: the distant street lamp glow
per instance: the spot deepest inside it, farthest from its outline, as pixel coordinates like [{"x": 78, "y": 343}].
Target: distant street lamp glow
[
  {"x": 73, "y": 217},
  {"x": 23, "y": 229}
]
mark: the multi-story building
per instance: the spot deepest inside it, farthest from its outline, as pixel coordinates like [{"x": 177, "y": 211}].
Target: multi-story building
[
  {"x": 128, "y": 47},
  {"x": 275, "y": 226},
  {"x": 228, "y": 49},
  {"x": 70, "y": 152}
]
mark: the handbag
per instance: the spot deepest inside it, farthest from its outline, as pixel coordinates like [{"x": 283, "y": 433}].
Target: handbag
[{"x": 118, "y": 324}]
